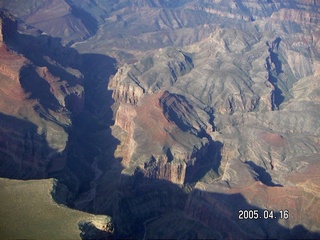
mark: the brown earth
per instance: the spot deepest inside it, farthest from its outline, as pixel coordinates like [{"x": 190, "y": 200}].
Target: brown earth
[{"x": 215, "y": 108}]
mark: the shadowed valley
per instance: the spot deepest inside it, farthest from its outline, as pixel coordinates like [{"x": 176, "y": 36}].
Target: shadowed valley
[{"x": 160, "y": 119}]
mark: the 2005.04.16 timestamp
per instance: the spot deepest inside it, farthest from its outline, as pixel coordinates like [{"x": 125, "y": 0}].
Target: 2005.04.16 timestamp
[{"x": 264, "y": 214}]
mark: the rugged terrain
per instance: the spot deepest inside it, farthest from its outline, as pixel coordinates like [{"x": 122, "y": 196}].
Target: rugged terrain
[
  {"x": 36, "y": 89},
  {"x": 213, "y": 109},
  {"x": 39, "y": 217}
]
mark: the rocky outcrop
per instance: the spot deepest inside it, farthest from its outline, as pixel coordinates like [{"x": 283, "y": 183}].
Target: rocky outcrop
[
  {"x": 1, "y": 35},
  {"x": 124, "y": 91},
  {"x": 215, "y": 110},
  {"x": 162, "y": 167},
  {"x": 100, "y": 227},
  {"x": 297, "y": 16},
  {"x": 130, "y": 83},
  {"x": 162, "y": 157},
  {"x": 25, "y": 153},
  {"x": 125, "y": 120},
  {"x": 128, "y": 93},
  {"x": 177, "y": 109},
  {"x": 36, "y": 105},
  {"x": 69, "y": 97}
]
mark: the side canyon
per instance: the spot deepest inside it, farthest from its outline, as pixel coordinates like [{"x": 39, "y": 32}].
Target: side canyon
[{"x": 162, "y": 119}]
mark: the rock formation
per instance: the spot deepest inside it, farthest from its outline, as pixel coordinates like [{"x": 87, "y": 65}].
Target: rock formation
[
  {"x": 248, "y": 77},
  {"x": 67, "y": 21},
  {"x": 214, "y": 109},
  {"x": 46, "y": 100},
  {"x": 1, "y": 35}
]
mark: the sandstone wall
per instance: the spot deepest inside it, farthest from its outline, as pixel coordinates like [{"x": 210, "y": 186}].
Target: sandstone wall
[
  {"x": 123, "y": 91},
  {"x": 25, "y": 153},
  {"x": 1, "y": 35},
  {"x": 35, "y": 102}
]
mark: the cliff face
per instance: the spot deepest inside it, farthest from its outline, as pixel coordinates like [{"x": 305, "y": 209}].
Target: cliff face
[
  {"x": 297, "y": 16},
  {"x": 1, "y": 35},
  {"x": 69, "y": 97},
  {"x": 224, "y": 120},
  {"x": 149, "y": 143},
  {"x": 66, "y": 21},
  {"x": 43, "y": 96},
  {"x": 178, "y": 24},
  {"x": 215, "y": 110},
  {"x": 25, "y": 153},
  {"x": 125, "y": 120},
  {"x": 142, "y": 112}
]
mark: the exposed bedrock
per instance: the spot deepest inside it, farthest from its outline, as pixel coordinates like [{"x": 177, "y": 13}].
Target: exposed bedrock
[
  {"x": 161, "y": 128},
  {"x": 1, "y": 35},
  {"x": 177, "y": 109},
  {"x": 220, "y": 211},
  {"x": 24, "y": 151},
  {"x": 228, "y": 130},
  {"x": 220, "y": 113},
  {"x": 140, "y": 198},
  {"x": 39, "y": 95},
  {"x": 75, "y": 24},
  {"x": 164, "y": 138}
]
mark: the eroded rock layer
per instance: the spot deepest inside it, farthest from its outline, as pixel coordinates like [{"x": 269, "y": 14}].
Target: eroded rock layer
[
  {"x": 214, "y": 109},
  {"x": 41, "y": 98},
  {"x": 223, "y": 118}
]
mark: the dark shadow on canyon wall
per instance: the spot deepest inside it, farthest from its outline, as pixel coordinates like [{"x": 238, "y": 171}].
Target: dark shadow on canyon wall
[
  {"x": 91, "y": 136},
  {"x": 158, "y": 209},
  {"x": 206, "y": 167},
  {"x": 21, "y": 148},
  {"x": 274, "y": 68},
  {"x": 262, "y": 175},
  {"x": 38, "y": 88},
  {"x": 278, "y": 94},
  {"x": 90, "y": 133},
  {"x": 142, "y": 203}
]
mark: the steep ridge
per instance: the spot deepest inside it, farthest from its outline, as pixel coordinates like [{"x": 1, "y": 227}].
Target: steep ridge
[
  {"x": 157, "y": 116},
  {"x": 22, "y": 99},
  {"x": 42, "y": 102},
  {"x": 132, "y": 27},
  {"x": 57, "y": 18},
  {"x": 45, "y": 87},
  {"x": 239, "y": 91}
]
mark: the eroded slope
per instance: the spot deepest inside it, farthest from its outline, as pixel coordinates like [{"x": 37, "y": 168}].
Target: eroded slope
[
  {"x": 229, "y": 122},
  {"x": 242, "y": 108}
]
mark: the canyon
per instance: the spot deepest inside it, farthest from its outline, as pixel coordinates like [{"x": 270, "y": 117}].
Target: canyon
[{"x": 162, "y": 119}]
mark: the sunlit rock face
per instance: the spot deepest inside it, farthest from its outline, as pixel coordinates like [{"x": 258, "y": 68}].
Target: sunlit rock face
[
  {"x": 213, "y": 109},
  {"x": 241, "y": 87}
]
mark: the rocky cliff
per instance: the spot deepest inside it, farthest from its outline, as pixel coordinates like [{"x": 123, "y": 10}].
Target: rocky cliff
[
  {"x": 40, "y": 96},
  {"x": 1, "y": 35},
  {"x": 214, "y": 109},
  {"x": 66, "y": 21},
  {"x": 225, "y": 118},
  {"x": 149, "y": 143}
]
